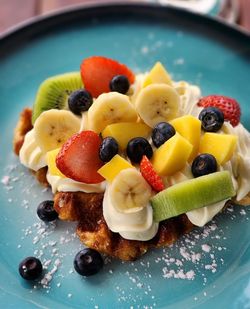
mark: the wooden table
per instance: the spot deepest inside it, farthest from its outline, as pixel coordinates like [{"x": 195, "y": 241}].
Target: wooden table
[{"x": 16, "y": 11}]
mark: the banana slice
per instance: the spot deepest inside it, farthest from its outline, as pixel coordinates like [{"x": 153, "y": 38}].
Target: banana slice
[
  {"x": 156, "y": 103},
  {"x": 129, "y": 191},
  {"x": 54, "y": 127},
  {"x": 110, "y": 108}
]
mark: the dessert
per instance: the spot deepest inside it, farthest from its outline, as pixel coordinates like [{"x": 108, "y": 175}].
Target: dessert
[{"x": 137, "y": 160}]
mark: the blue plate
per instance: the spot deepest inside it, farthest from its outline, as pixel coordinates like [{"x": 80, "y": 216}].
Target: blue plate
[{"x": 209, "y": 267}]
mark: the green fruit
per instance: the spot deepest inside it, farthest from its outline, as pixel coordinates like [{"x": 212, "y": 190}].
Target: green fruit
[
  {"x": 191, "y": 194},
  {"x": 54, "y": 92}
]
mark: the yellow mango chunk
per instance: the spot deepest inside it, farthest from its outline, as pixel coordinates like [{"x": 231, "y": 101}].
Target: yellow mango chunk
[
  {"x": 157, "y": 75},
  {"x": 51, "y": 162},
  {"x": 113, "y": 167},
  {"x": 189, "y": 127},
  {"x": 221, "y": 146},
  {"x": 172, "y": 156},
  {"x": 123, "y": 132}
]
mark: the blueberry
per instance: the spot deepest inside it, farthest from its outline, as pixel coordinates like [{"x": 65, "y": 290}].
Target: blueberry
[
  {"x": 108, "y": 149},
  {"x": 30, "y": 268},
  {"x": 204, "y": 164},
  {"x": 137, "y": 147},
  {"x": 119, "y": 83},
  {"x": 80, "y": 101},
  {"x": 46, "y": 211},
  {"x": 161, "y": 133},
  {"x": 88, "y": 262},
  {"x": 212, "y": 119}
]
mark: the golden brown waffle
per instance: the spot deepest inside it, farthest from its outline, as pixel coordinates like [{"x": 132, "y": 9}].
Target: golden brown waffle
[{"x": 86, "y": 208}]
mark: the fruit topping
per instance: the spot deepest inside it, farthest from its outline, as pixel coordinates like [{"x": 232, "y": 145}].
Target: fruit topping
[
  {"x": 123, "y": 132},
  {"x": 161, "y": 133},
  {"x": 80, "y": 101},
  {"x": 191, "y": 194},
  {"x": 79, "y": 159},
  {"x": 88, "y": 262},
  {"x": 189, "y": 127},
  {"x": 53, "y": 93},
  {"x": 221, "y": 146},
  {"x": 46, "y": 211},
  {"x": 172, "y": 156},
  {"x": 53, "y": 128},
  {"x": 157, "y": 75},
  {"x": 30, "y": 268},
  {"x": 157, "y": 103},
  {"x": 229, "y": 106},
  {"x": 150, "y": 175},
  {"x": 204, "y": 164},
  {"x": 129, "y": 191},
  {"x": 108, "y": 149},
  {"x": 119, "y": 83},
  {"x": 110, "y": 108},
  {"x": 211, "y": 119},
  {"x": 113, "y": 167},
  {"x": 51, "y": 162},
  {"x": 97, "y": 72},
  {"x": 137, "y": 147}
]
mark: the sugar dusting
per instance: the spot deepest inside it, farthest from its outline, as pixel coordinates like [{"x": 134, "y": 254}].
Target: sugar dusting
[{"x": 196, "y": 256}]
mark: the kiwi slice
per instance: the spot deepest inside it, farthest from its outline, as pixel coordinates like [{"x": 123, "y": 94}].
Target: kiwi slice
[
  {"x": 191, "y": 194},
  {"x": 54, "y": 92}
]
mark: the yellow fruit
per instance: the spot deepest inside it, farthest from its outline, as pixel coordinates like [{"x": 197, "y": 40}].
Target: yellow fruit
[
  {"x": 123, "y": 132},
  {"x": 190, "y": 128},
  {"x": 51, "y": 162},
  {"x": 113, "y": 167},
  {"x": 157, "y": 75},
  {"x": 221, "y": 146},
  {"x": 172, "y": 156}
]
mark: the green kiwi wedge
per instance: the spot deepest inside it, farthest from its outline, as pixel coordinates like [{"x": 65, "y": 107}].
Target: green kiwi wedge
[
  {"x": 54, "y": 92},
  {"x": 191, "y": 194}
]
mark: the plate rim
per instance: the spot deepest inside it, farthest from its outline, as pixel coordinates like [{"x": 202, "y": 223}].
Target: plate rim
[{"x": 24, "y": 27}]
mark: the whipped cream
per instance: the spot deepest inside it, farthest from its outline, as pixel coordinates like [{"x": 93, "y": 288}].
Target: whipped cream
[
  {"x": 136, "y": 226},
  {"x": 63, "y": 184},
  {"x": 31, "y": 154},
  {"x": 241, "y": 160}
]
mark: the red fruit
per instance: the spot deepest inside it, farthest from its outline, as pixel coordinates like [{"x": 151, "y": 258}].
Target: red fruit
[
  {"x": 229, "y": 107},
  {"x": 78, "y": 158},
  {"x": 150, "y": 175},
  {"x": 97, "y": 73}
]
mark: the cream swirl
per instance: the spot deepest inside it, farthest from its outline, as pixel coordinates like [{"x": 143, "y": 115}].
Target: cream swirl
[
  {"x": 31, "y": 154},
  {"x": 137, "y": 225},
  {"x": 63, "y": 184},
  {"x": 241, "y": 159}
]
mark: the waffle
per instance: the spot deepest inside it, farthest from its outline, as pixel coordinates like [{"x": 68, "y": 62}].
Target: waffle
[{"x": 86, "y": 209}]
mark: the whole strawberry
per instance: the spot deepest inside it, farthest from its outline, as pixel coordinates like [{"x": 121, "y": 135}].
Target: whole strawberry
[{"x": 230, "y": 107}]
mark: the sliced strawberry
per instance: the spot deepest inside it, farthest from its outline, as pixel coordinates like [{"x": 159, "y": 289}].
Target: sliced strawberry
[
  {"x": 150, "y": 175},
  {"x": 78, "y": 158},
  {"x": 98, "y": 71},
  {"x": 230, "y": 107}
]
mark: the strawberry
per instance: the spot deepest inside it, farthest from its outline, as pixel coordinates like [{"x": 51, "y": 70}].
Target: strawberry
[
  {"x": 150, "y": 175},
  {"x": 229, "y": 107},
  {"x": 78, "y": 158},
  {"x": 97, "y": 73}
]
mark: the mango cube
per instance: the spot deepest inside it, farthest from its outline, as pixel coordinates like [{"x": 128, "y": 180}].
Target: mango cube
[
  {"x": 221, "y": 146},
  {"x": 51, "y": 162},
  {"x": 123, "y": 132},
  {"x": 113, "y": 167},
  {"x": 189, "y": 127},
  {"x": 157, "y": 75},
  {"x": 172, "y": 156}
]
